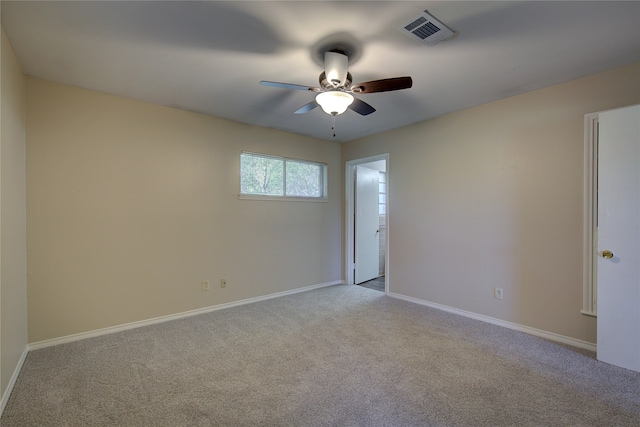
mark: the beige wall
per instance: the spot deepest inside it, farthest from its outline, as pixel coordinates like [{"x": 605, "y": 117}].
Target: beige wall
[
  {"x": 492, "y": 197},
  {"x": 130, "y": 206},
  {"x": 13, "y": 273}
]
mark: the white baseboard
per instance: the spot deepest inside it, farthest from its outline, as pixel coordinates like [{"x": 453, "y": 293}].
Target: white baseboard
[
  {"x": 161, "y": 319},
  {"x": 76, "y": 337},
  {"x": 12, "y": 381},
  {"x": 526, "y": 329}
]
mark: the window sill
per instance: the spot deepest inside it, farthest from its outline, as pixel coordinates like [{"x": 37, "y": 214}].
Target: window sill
[{"x": 283, "y": 198}]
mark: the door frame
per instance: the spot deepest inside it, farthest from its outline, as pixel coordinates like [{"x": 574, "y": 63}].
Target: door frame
[{"x": 350, "y": 168}]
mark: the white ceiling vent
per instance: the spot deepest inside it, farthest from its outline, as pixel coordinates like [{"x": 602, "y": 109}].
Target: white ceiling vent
[{"x": 427, "y": 29}]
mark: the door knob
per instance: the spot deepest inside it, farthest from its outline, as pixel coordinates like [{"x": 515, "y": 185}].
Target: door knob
[{"x": 607, "y": 254}]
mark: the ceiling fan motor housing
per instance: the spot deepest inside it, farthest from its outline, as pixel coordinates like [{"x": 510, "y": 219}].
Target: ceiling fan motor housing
[{"x": 325, "y": 84}]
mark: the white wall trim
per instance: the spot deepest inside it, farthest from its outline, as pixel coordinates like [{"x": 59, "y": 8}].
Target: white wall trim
[
  {"x": 521, "y": 328},
  {"x": 590, "y": 214},
  {"x": 168, "y": 318},
  {"x": 12, "y": 381}
]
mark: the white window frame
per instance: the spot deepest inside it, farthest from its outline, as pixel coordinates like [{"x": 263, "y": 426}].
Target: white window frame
[{"x": 324, "y": 177}]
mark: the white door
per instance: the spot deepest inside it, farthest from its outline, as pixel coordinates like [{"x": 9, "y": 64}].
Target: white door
[
  {"x": 367, "y": 224},
  {"x": 619, "y": 237}
]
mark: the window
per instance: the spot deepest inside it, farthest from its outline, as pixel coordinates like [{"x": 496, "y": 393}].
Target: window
[{"x": 278, "y": 177}]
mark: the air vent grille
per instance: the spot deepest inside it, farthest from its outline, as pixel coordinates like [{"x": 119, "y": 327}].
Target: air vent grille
[
  {"x": 412, "y": 26},
  {"x": 427, "y": 29}
]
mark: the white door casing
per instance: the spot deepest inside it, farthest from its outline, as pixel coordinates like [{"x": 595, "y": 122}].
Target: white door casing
[
  {"x": 367, "y": 224},
  {"x": 618, "y": 277}
]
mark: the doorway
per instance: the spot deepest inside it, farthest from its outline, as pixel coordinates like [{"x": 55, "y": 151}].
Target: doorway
[{"x": 367, "y": 215}]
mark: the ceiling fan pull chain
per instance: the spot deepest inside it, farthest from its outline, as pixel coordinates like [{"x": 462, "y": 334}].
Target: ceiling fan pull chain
[{"x": 333, "y": 124}]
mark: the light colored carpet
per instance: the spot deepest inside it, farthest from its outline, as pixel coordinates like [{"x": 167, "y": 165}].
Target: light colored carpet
[{"x": 336, "y": 356}]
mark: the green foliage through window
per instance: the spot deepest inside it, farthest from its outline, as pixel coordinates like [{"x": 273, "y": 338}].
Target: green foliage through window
[
  {"x": 276, "y": 176},
  {"x": 261, "y": 175}
]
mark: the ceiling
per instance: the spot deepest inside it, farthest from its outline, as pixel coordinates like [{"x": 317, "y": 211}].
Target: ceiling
[{"x": 209, "y": 57}]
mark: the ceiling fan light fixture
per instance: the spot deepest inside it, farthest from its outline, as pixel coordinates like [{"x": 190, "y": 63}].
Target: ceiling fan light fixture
[{"x": 334, "y": 102}]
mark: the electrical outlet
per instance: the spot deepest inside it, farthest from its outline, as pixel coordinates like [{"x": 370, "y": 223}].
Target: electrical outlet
[
  {"x": 223, "y": 283},
  {"x": 205, "y": 285},
  {"x": 498, "y": 293}
]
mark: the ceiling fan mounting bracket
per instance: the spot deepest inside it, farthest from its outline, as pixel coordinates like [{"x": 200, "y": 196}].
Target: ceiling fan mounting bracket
[
  {"x": 340, "y": 51},
  {"x": 342, "y": 48},
  {"x": 343, "y": 43}
]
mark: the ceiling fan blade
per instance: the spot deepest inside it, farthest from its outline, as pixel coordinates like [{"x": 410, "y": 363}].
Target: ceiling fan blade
[
  {"x": 361, "y": 107},
  {"x": 286, "y": 85},
  {"x": 306, "y": 107},
  {"x": 384, "y": 85}
]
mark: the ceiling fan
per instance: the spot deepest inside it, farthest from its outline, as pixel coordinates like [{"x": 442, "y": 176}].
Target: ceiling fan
[{"x": 336, "y": 90}]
